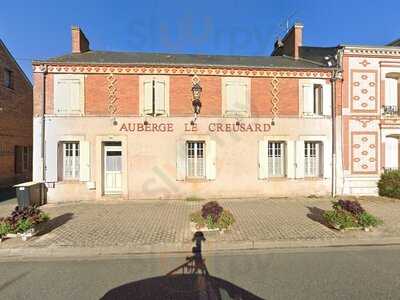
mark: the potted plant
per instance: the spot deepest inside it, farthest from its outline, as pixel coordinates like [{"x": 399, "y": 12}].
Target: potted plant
[{"x": 211, "y": 217}]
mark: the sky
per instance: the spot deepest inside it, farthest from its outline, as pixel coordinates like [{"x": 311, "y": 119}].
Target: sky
[{"x": 35, "y": 29}]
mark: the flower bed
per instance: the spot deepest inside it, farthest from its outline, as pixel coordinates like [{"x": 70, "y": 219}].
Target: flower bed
[
  {"x": 22, "y": 222},
  {"x": 211, "y": 217},
  {"x": 347, "y": 214}
]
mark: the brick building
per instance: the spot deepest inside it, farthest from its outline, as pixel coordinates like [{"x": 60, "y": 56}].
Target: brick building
[
  {"x": 15, "y": 121},
  {"x": 122, "y": 124}
]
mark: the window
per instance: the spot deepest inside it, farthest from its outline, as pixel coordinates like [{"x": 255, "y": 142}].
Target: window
[
  {"x": 236, "y": 96},
  {"x": 8, "y": 78},
  {"x": 316, "y": 98},
  {"x": 22, "y": 159},
  {"x": 312, "y": 159},
  {"x": 276, "y": 159},
  {"x": 195, "y": 160},
  {"x": 154, "y": 95},
  {"x": 68, "y": 94},
  {"x": 392, "y": 95},
  {"x": 71, "y": 159}
]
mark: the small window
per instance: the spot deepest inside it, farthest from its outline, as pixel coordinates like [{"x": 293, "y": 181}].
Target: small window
[
  {"x": 195, "y": 159},
  {"x": 318, "y": 99},
  {"x": 313, "y": 99},
  {"x": 8, "y": 78},
  {"x": 312, "y": 159},
  {"x": 71, "y": 159},
  {"x": 276, "y": 159},
  {"x": 236, "y": 96},
  {"x": 68, "y": 94},
  {"x": 154, "y": 96}
]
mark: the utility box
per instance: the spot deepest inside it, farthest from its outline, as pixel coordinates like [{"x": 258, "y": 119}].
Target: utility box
[{"x": 31, "y": 194}]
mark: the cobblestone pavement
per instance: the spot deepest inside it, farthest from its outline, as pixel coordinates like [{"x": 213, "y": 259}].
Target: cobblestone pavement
[{"x": 94, "y": 224}]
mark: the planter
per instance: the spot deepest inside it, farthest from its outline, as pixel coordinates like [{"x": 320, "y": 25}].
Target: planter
[
  {"x": 194, "y": 228},
  {"x": 11, "y": 235},
  {"x": 367, "y": 229}
]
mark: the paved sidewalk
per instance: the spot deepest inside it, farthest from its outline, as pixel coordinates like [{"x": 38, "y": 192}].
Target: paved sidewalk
[{"x": 163, "y": 226}]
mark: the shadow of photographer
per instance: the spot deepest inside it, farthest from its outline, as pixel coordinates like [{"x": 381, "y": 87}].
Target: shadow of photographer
[{"x": 190, "y": 280}]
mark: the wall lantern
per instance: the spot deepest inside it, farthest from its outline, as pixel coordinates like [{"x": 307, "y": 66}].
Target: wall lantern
[{"x": 196, "y": 90}]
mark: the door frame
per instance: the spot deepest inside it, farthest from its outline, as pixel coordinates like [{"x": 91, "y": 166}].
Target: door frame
[
  {"x": 100, "y": 140},
  {"x": 105, "y": 149}
]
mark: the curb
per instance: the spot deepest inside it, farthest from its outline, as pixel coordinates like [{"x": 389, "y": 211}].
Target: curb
[{"x": 208, "y": 247}]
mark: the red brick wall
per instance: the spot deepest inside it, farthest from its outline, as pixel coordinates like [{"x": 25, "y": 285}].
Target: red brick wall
[
  {"x": 15, "y": 119},
  {"x": 96, "y": 95}
]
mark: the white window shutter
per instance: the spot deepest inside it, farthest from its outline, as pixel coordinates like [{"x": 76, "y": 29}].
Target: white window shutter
[
  {"x": 230, "y": 91},
  {"x": 74, "y": 100},
  {"x": 263, "y": 159},
  {"x": 327, "y": 99},
  {"x": 159, "y": 90},
  {"x": 181, "y": 160},
  {"x": 391, "y": 91},
  {"x": 327, "y": 159},
  {"x": 299, "y": 159},
  {"x": 84, "y": 163},
  {"x": 290, "y": 159},
  {"x": 52, "y": 153},
  {"x": 211, "y": 160},
  {"x": 241, "y": 98},
  {"x": 308, "y": 98},
  {"x": 147, "y": 97},
  {"x": 61, "y": 96},
  {"x": 391, "y": 152}
]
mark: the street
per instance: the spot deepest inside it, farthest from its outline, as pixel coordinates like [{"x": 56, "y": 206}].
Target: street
[{"x": 328, "y": 273}]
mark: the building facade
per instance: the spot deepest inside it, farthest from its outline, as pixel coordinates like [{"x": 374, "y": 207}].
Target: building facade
[
  {"x": 167, "y": 126},
  {"x": 16, "y": 103}
]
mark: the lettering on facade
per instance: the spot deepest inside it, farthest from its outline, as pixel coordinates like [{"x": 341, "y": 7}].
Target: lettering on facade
[{"x": 212, "y": 127}]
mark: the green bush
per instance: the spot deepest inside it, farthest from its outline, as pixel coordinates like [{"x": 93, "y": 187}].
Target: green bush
[
  {"x": 198, "y": 219},
  {"x": 23, "y": 225},
  {"x": 226, "y": 219},
  {"x": 389, "y": 184},
  {"x": 340, "y": 218},
  {"x": 4, "y": 228},
  {"x": 367, "y": 220}
]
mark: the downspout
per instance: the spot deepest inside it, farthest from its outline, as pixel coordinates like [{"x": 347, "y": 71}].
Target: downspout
[{"x": 43, "y": 146}]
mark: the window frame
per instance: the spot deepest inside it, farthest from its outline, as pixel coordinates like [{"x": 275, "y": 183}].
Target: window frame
[
  {"x": 153, "y": 78},
  {"x": 246, "y": 81},
  {"x": 321, "y": 107},
  {"x": 195, "y": 158},
  {"x": 75, "y": 168},
  {"x": 317, "y": 170},
  {"x": 271, "y": 163},
  {"x": 8, "y": 73},
  {"x": 56, "y": 94}
]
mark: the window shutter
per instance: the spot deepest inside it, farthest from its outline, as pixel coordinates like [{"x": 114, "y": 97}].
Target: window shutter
[
  {"x": 308, "y": 98},
  {"x": 299, "y": 159},
  {"x": 327, "y": 99},
  {"x": 290, "y": 158},
  {"x": 211, "y": 157},
  {"x": 391, "y": 153},
  {"x": 159, "y": 91},
  {"x": 241, "y": 98},
  {"x": 391, "y": 91},
  {"x": 263, "y": 159},
  {"x": 327, "y": 159},
  {"x": 51, "y": 161},
  {"x": 84, "y": 162},
  {"x": 181, "y": 160},
  {"x": 148, "y": 97},
  {"x": 61, "y": 96},
  {"x": 230, "y": 90},
  {"x": 74, "y": 100}
]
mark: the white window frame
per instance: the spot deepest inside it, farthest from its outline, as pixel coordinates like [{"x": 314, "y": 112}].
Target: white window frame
[
  {"x": 72, "y": 147},
  {"x": 153, "y": 78},
  {"x": 244, "y": 81},
  {"x": 273, "y": 160},
  {"x": 196, "y": 160},
  {"x": 313, "y": 159},
  {"x": 65, "y": 78},
  {"x": 321, "y": 102}
]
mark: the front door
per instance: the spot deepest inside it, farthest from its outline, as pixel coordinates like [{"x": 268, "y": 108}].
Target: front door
[{"x": 112, "y": 169}]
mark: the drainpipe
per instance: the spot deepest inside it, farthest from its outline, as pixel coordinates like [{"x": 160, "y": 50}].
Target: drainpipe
[{"x": 43, "y": 149}]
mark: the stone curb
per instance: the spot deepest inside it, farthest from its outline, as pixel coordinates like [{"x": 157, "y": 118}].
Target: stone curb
[{"x": 209, "y": 247}]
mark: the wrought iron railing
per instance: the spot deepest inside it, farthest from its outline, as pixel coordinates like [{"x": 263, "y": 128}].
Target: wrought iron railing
[{"x": 390, "y": 110}]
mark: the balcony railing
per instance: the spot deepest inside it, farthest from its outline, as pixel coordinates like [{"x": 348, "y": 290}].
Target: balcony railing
[{"x": 390, "y": 110}]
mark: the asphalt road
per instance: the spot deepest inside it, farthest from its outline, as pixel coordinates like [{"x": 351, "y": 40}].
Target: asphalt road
[{"x": 329, "y": 273}]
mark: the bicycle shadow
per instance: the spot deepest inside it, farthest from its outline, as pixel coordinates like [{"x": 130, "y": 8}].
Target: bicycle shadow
[{"x": 191, "y": 280}]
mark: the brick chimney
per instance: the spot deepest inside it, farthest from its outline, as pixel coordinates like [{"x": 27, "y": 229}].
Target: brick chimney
[
  {"x": 80, "y": 43},
  {"x": 291, "y": 42}
]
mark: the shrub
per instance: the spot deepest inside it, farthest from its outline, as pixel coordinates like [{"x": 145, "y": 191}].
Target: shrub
[
  {"x": 23, "y": 225},
  {"x": 4, "y": 228},
  {"x": 22, "y": 219},
  {"x": 211, "y": 209},
  {"x": 340, "y": 218},
  {"x": 367, "y": 220},
  {"x": 198, "y": 219},
  {"x": 353, "y": 207},
  {"x": 226, "y": 219},
  {"x": 389, "y": 184}
]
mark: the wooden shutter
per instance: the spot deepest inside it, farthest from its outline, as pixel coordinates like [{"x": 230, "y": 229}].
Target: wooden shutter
[
  {"x": 84, "y": 162},
  {"x": 299, "y": 159},
  {"x": 230, "y": 96},
  {"x": 263, "y": 159},
  {"x": 181, "y": 160},
  {"x": 74, "y": 101},
  {"x": 211, "y": 160},
  {"x": 308, "y": 98},
  {"x": 326, "y": 99},
  {"x": 391, "y": 153},
  {"x": 160, "y": 97},
  {"x": 291, "y": 159},
  {"x": 147, "y": 96},
  {"x": 61, "y": 96},
  {"x": 391, "y": 91},
  {"x": 241, "y": 97},
  {"x": 52, "y": 161},
  {"x": 326, "y": 154}
]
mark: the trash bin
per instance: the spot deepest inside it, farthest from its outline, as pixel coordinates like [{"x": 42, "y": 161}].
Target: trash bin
[{"x": 30, "y": 193}]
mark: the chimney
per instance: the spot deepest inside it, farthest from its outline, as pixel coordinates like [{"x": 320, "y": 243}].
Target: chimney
[
  {"x": 291, "y": 43},
  {"x": 80, "y": 43}
]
